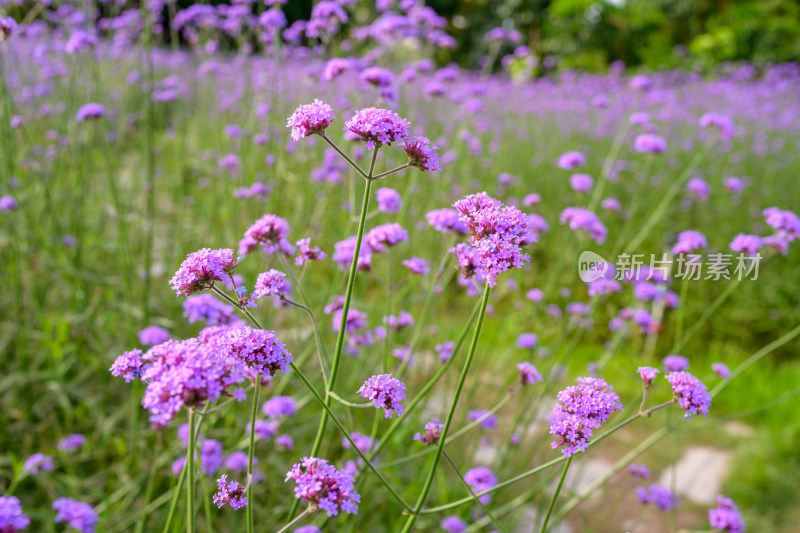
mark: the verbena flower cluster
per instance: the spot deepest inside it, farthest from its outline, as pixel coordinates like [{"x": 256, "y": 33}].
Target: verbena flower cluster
[
  {"x": 385, "y": 392},
  {"x": 584, "y": 408},
  {"x": 324, "y": 487}
]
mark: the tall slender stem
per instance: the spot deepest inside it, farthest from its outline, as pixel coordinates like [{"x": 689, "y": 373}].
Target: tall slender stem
[
  {"x": 250, "y": 483},
  {"x": 190, "y": 525},
  {"x": 472, "y": 492},
  {"x": 555, "y": 496},
  {"x": 293, "y": 522},
  {"x": 459, "y": 387}
]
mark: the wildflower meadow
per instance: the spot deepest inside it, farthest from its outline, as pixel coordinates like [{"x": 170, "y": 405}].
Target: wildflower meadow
[{"x": 269, "y": 274}]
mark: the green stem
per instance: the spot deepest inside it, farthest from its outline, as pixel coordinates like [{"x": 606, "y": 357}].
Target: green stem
[
  {"x": 317, "y": 337},
  {"x": 555, "y": 496},
  {"x": 207, "y": 505},
  {"x": 250, "y": 483},
  {"x": 459, "y": 387},
  {"x": 190, "y": 524},
  {"x": 294, "y": 521}
]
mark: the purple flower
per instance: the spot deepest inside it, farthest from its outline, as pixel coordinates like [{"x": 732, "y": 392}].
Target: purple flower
[
  {"x": 639, "y": 471},
  {"x": 433, "y": 430},
  {"x": 78, "y": 515},
  {"x": 726, "y": 516},
  {"x": 721, "y": 370},
  {"x": 675, "y": 363},
  {"x": 691, "y": 394},
  {"x": 356, "y": 320},
  {"x": 496, "y": 231},
  {"x": 385, "y": 392},
  {"x": 487, "y": 419},
  {"x": 7, "y": 27},
  {"x": 445, "y": 351},
  {"x": 786, "y": 223},
  {"x": 401, "y": 321},
  {"x": 90, "y": 111},
  {"x": 185, "y": 373},
  {"x": 79, "y": 41},
  {"x": 662, "y": 497},
  {"x": 584, "y": 408},
  {"x": 699, "y": 189},
  {"x": 481, "y": 479},
  {"x": 417, "y": 266},
  {"x": 8, "y": 203},
  {"x": 689, "y": 241},
  {"x": 378, "y": 127},
  {"x": 211, "y": 458},
  {"x": 310, "y": 119},
  {"x": 735, "y": 185},
  {"x": 11, "y": 517},
  {"x": 723, "y": 124},
  {"x": 364, "y": 443},
  {"x": 571, "y": 160},
  {"x": 648, "y": 374},
  {"x": 527, "y": 341},
  {"x": 343, "y": 252},
  {"x": 377, "y": 76},
  {"x": 230, "y": 493},
  {"x": 269, "y": 232},
  {"x": 528, "y": 373},
  {"x": 380, "y": 238},
  {"x": 649, "y": 143},
  {"x": 285, "y": 442},
  {"x": 308, "y": 529},
  {"x": 422, "y": 154},
  {"x": 279, "y": 406},
  {"x": 581, "y": 182},
  {"x": 36, "y": 463},
  {"x": 579, "y": 218},
  {"x": 271, "y": 283},
  {"x": 201, "y": 269},
  {"x": 209, "y": 309},
  {"x": 71, "y": 442},
  {"x": 389, "y": 200},
  {"x": 334, "y": 67},
  {"x": 531, "y": 199},
  {"x": 152, "y": 335},
  {"x": 238, "y": 461},
  {"x": 748, "y": 244},
  {"x": 324, "y": 487},
  {"x": 265, "y": 429},
  {"x": 260, "y": 351},
  {"x": 307, "y": 253},
  {"x": 453, "y": 524},
  {"x": 446, "y": 221},
  {"x": 611, "y": 204},
  {"x": 128, "y": 365}
]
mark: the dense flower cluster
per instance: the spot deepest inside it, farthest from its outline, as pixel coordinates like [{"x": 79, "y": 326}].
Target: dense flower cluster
[
  {"x": 496, "y": 232},
  {"x": 324, "y": 487},
  {"x": 579, "y": 218},
  {"x": 382, "y": 237},
  {"x": 11, "y": 517},
  {"x": 726, "y": 516},
  {"x": 209, "y": 309},
  {"x": 663, "y": 498},
  {"x": 481, "y": 479},
  {"x": 446, "y": 221},
  {"x": 385, "y": 392},
  {"x": 692, "y": 395},
  {"x": 689, "y": 241},
  {"x": 422, "y": 154},
  {"x": 77, "y": 515},
  {"x": 648, "y": 374},
  {"x": 270, "y": 283},
  {"x": 389, "y": 200},
  {"x": 416, "y": 265},
  {"x": 649, "y": 143},
  {"x": 229, "y": 493},
  {"x": 310, "y": 119},
  {"x": 528, "y": 373},
  {"x": 152, "y": 335},
  {"x": 584, "y": 408},
  {"x": 202, "y": 268},
  {"x": 378, "y": 127},
  {"x": 260, "y": 351},
  {"x": 270, "y": 232},
  {"x": 433, "y": 430}
]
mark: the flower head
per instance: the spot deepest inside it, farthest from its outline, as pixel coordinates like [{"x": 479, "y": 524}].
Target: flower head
[
  {"x": 209, "y": 309},
  {"x": 279, "y": 406},
  {"x": 579, "y": 218},
  {"x": 416, "y": 266},
  {"x": 422, "y": 154},
  {"x": 639, "y": 471},
  {"x": 378, "y": 127},
  {"x": 307, "y": 253},
  {"x": 271, "y": 283},
  {"x": 527, "y": 341},
  {"x": 11, "y": 517},
  {"x": 128, "y": 365},
  {"x": 446, "y": 221},
  {"x": 269, "y": 232},
  {"x": 721, "y": 370},
  {"x": 310, "y": 119},
  {"x": 648, "y": 374},
  {"x": 389, "y": 200},
  {"x": 674, "y": 363},
  {"x": 71, "y": 442},
  {"x": 385, "y": 392},
  {"x": 571, "y": 160},
  {"x": 748, "y": 244},
  {"x": 726, "y": 516},
  {"x": 380, "y": 238},
  {"x": 77, "y": 514},
  {"x": 433, "y": 430},
  {"x": 230, "y": 493},
  {"x": 584, "y": 408},
  {"x": 691, "y": 394},
  {"x": 649, "y": 143},
  {"x": 37, "y": 463},
  {"x": 481, "y": 479},
  {"x": 324, "y": 487},
  {"x": 453, "y": 524},
  {"x": 152, "y": 335},
  {"x": 202, "y": 268},
  {"x": 91, "y": 111},
  {"x": 689, "y": 241},
  {"x": 723, "y": 124},
  {"x": 528, "y": 373},
  {"x": 260, "y": 351},
  {"x": 663, "y": 498}
]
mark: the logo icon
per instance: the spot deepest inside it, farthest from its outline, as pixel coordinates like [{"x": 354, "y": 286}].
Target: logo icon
[{"x": 592, "y": 266}]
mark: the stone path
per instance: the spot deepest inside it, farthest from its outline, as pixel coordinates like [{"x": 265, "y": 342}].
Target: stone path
[{"x": 700, "y": 473}]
